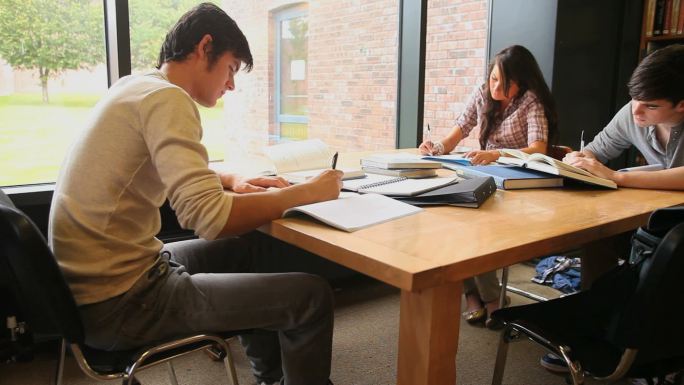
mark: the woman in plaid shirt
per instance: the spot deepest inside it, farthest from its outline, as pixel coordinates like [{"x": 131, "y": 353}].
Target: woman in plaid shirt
[{"x": 514, "y": 109}]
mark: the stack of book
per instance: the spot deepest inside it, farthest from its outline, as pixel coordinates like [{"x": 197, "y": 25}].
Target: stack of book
[{"x": 400, "y": 165}]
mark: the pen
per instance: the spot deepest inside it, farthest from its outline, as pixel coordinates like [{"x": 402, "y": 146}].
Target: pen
[
  {"x": 429, "y": 138},
  {"x": 582, "y": 141},
  {"x": 334, "y": 160}
]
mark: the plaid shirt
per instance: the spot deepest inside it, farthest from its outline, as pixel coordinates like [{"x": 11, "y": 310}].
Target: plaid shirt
[{"x": 522, "y": 123}]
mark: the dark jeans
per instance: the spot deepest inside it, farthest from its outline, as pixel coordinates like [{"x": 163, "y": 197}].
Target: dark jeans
[{"x": 206, "y": 286}]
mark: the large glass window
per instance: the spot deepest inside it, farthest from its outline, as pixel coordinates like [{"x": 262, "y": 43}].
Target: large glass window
[
  {"x": 322, "y": 70},
  {"x": 52, "y": 72},
  {"x": 454, "y": 62}
]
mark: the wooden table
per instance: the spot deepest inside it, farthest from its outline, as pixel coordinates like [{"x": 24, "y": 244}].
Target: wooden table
[{"x": 429, "y": 254}]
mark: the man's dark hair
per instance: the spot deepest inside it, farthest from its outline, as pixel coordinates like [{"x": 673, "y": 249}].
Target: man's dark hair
[
  {"x": 659, "y": 76},
  {"x": 205, "y": 19}
]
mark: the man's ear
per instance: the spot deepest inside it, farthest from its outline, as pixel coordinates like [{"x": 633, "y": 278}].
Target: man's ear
[
  {"x": 680, "y": 106},
  {"x": 204, "y": 46}
]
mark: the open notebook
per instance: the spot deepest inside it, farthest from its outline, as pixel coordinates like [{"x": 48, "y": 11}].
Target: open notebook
[
  {"x": 397, "y": 186},
  {"x": 355, "y": 212}
]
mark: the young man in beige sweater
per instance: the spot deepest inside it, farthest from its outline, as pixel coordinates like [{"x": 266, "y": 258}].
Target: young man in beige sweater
[{"x": 141, "y": 147}]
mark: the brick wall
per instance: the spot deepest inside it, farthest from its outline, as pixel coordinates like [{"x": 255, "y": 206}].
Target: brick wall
[{"x": 352, "y": 69}]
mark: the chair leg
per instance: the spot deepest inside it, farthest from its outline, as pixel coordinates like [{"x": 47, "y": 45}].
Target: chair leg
[
  {"x": 504, "y": 284},
  {"x": 230, "y": 367},
  {"x": 576, "y": 371},
  {"x": 59, "y": 373},
  {"x": 172, "y": 373},
  {"x": 501, "y": 354}
]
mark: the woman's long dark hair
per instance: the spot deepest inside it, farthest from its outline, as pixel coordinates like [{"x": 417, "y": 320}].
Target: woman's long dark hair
[{"x": 516, "y": 63}]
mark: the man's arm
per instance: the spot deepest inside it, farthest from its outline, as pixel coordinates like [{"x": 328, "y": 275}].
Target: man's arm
[
  {"x": 250, "y": 211},
  {"x": 670, "y": 179}
]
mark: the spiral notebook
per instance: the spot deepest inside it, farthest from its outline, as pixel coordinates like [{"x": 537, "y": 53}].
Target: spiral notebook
[{"x": 396, "y": 186}]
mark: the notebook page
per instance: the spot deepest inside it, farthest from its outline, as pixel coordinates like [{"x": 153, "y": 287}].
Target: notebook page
[
  {"x": 356, "y": 212},
  {"x": 409, "y": 187}
]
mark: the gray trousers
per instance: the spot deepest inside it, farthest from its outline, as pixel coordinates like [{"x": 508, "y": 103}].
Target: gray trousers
[
  {"x": 485, "y": 285},
  {"x": 200, "y": 286}
]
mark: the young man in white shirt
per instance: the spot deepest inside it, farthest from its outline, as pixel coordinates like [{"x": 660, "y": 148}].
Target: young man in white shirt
[{"x": 141, "y": 147}]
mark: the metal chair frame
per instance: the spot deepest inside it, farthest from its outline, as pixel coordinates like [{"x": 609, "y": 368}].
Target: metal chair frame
[{"x": 51, "y": 309}]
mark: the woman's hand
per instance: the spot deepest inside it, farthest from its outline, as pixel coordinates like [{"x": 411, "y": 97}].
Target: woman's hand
[
  {"x": 431, "y": 148},
  {"x": 482, "y": 157}
]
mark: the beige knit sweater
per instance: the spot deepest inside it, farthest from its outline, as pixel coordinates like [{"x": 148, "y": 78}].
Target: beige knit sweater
[{"x": 140, "y": 146}]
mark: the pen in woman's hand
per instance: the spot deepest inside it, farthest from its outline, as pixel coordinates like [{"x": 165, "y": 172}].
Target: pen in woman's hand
[
  {"x": 582, "y": 141},
  {"x": 334, "y": 160},
  {"x": 429, "y": 139}
]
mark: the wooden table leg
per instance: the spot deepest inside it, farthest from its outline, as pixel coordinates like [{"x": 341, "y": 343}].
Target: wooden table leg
[{"x": 428, "y": 335}]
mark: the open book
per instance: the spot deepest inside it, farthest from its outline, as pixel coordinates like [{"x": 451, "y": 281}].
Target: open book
[
  {"x": 301, "y": 160},
  {"x": 355, "y": 212},
  {"x": 549, "y": 165}
]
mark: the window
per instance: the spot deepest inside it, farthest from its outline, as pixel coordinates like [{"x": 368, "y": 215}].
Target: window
[
  {"x": 291, "y": 104},
  {"x": 52, "y": 72},
  {"x": 323, "y": 69},
  {"x": 455, "y": 62}
]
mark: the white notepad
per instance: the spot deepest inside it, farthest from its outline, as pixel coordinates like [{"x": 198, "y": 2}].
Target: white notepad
[
  {"x": 355, "y": 212},
  {"x": 398, "y": 186}
]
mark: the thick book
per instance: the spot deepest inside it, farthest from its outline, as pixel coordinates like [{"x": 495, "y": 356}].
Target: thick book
[
  {"x": 549, "y": 165},
  {"x": 466, "y": 193},
  {"x": 301, "y": 160},
  {"x": 355, "y": 212},
  {"x": 450, "y": 158},
  {"x": 396, "y": 160},
  {"x": 398, "y": 186},
  {"x": 405, "y": 172},
  {"x": 509, "y": 177}
]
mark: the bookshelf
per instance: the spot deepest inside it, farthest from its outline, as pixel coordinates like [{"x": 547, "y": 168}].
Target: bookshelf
[{"x": 662, "y": 25}]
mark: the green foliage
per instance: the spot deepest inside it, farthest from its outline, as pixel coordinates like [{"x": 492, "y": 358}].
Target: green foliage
[
  {"x": 51, "y": 35},
  {"x": 150, "y": 21}
]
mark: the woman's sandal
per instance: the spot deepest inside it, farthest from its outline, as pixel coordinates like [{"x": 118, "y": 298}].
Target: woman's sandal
[{"x": 475, "y": 316}]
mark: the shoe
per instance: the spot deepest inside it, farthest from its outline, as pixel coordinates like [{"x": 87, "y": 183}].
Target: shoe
[
  {"x": 554, "y": 363},
  {"x": 493, "y": 324},
  {"x": 475, "y": 316}
]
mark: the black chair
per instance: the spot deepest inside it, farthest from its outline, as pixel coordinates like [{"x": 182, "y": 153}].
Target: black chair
[
  {"x": 629, "y": 323},
  {"x": 50, "y": 310}
]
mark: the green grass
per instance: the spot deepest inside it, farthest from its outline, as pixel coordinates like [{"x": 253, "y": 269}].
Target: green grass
[{"x": 34, "y": 137}]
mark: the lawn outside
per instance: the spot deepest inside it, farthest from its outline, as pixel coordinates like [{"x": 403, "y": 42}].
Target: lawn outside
[{"x": 35, "y": 137}]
